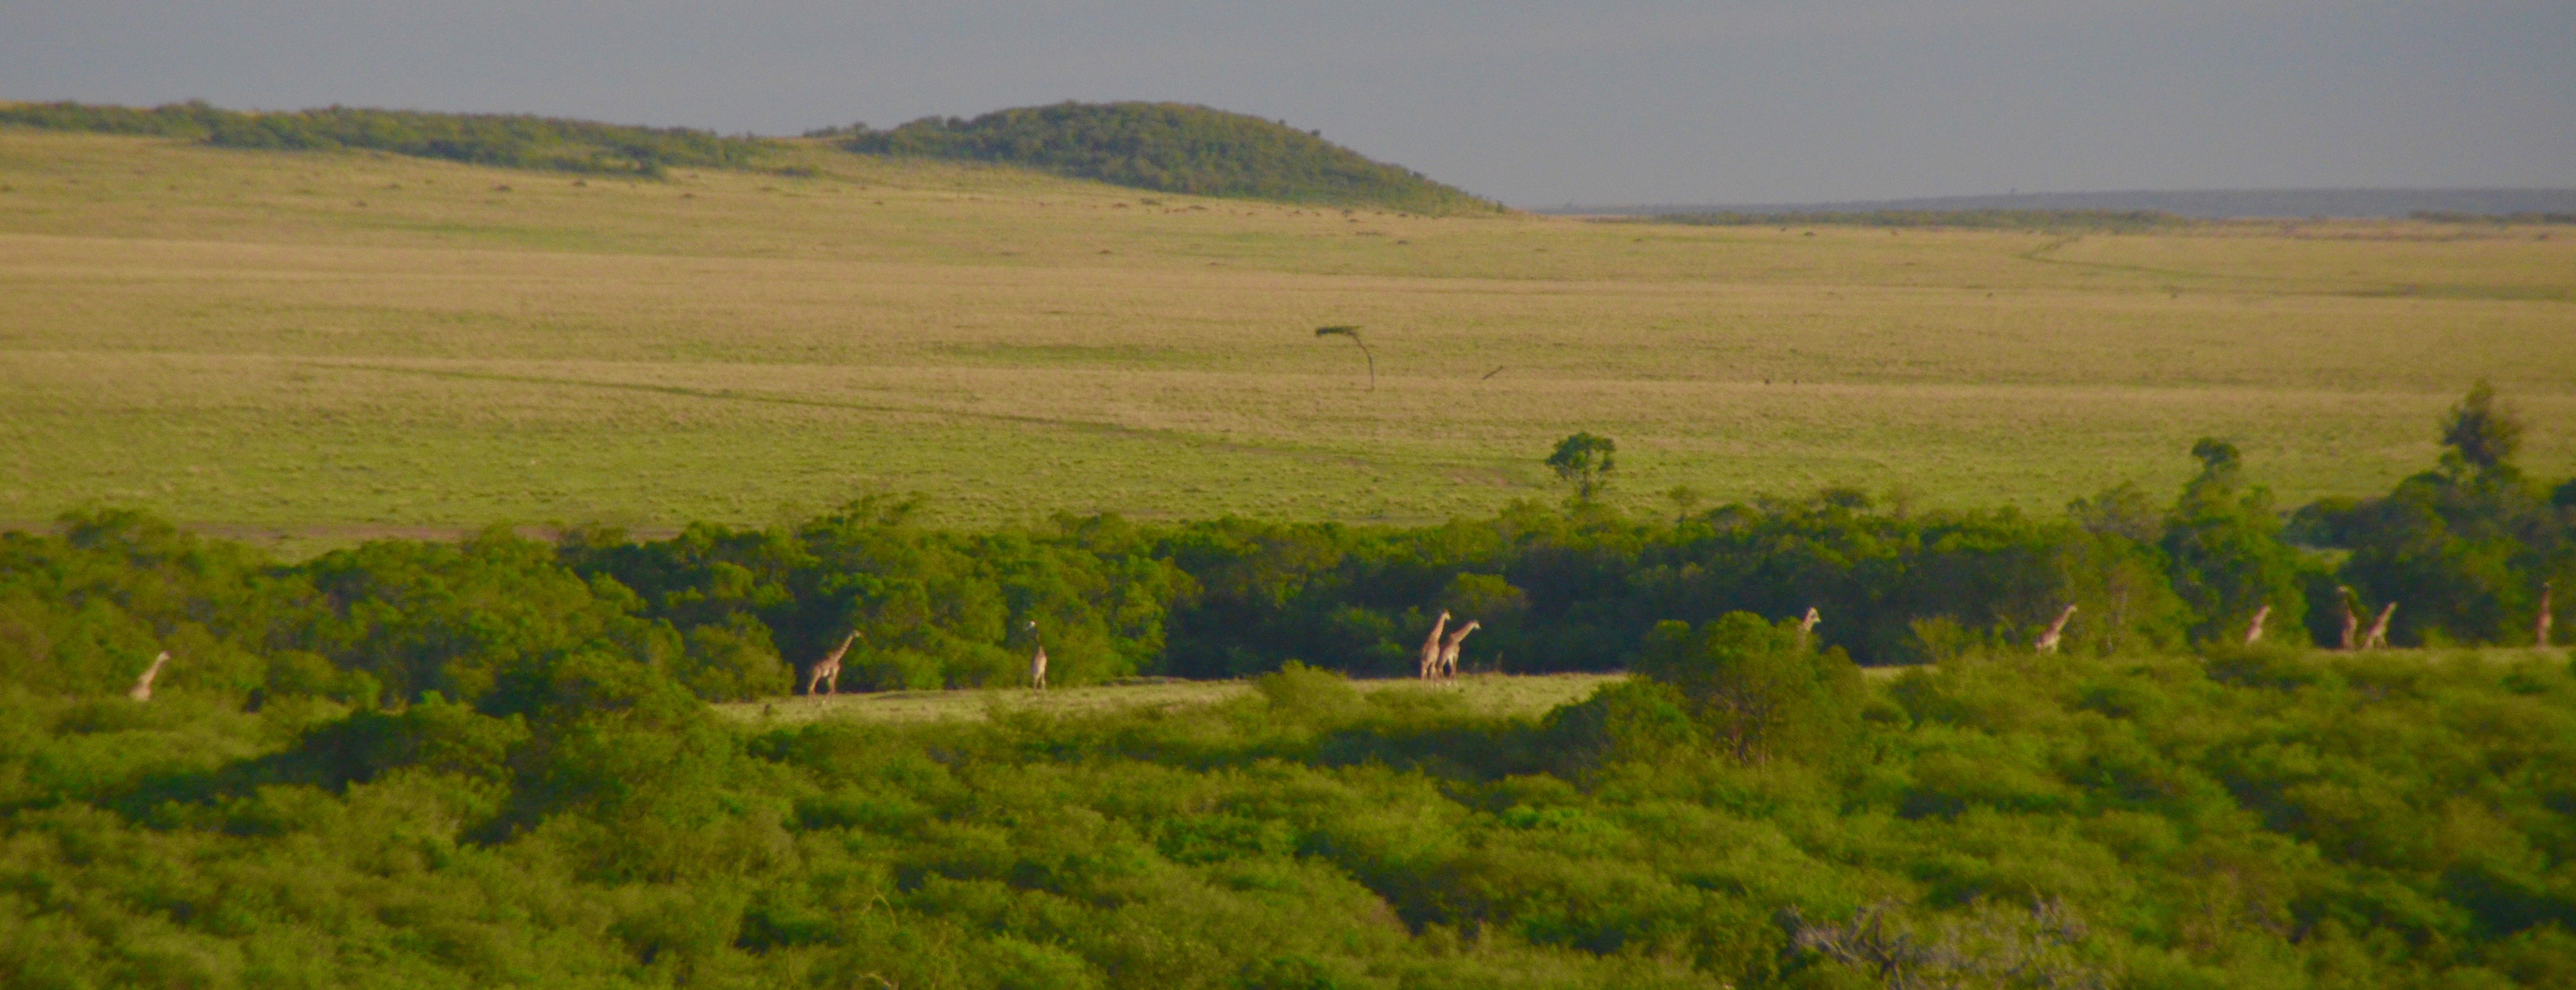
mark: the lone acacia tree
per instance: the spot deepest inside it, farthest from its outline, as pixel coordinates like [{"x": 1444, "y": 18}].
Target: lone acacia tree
[
  {"x": 1354, "y": 334},
  {"x": 2481, "y": 432},
  {"x": 1585, "y": 461}
]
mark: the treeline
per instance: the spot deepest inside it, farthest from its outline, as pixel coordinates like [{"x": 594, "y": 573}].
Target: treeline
[
  {"x": 2104, "y": 221},
  {"x": 1170, "y": 147},
  {"x": 2464, "y": 552},
  {"x": 513, "y": 141}
]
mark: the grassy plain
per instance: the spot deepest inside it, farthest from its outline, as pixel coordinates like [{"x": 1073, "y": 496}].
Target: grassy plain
[
  {"x": 1526, "y": 695},
  {"x": 1484, "y": 694},
  {"x": 323, "y": 346}
]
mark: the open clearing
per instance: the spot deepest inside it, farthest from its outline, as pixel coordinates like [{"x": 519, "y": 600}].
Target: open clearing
[
  {"x": 320, "y": 347},
  {"x": 1487, "y": 694},
  {"x": 1527, "y": 695}
]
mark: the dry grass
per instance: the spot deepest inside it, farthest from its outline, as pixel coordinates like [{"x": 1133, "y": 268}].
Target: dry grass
[
  {"x": 1488, "y": 694},
  {"x": 327, "y": 345}
]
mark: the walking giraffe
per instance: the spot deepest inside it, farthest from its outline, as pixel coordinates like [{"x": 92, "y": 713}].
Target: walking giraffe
[
  {"x": 2378, "y": 638},
  {"x": 2351, "y": 622},
  {"x": 828, "y": 672},
  {"x": 1037, "y": 661},
  {"x": 1449, "y": 648},
  {"x": 1430, "y": 664},
  {"x": 2048, "y": 640},
  {"x": 2254, "y": 629},
  {"x": 2540, "y": 626},
  {"x": 142, "y": 690}
]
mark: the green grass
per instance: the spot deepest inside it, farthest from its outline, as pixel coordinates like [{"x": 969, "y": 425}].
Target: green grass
[
  {"x": 1481, "y": 694},
  {"x": 317, "y": 346},
  {"x": 1517, "y": 695}
]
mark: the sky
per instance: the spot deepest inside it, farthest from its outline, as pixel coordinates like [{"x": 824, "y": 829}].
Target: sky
[{"x": 1536, "y": 104}]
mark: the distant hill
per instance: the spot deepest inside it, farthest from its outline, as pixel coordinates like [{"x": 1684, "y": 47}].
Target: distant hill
[
  {"x": 512, "y": 140},
  {"x": 1171, "y": 147},
  {"x": 2205, "y": 204}
]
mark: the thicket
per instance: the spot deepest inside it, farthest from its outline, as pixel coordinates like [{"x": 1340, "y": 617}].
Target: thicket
[
  {"x": 2106, "y": 221},
  {"x": 515, "y": 141},
  {"x": 1171, "y": 147},
  {"x": 466, "y": 766}
]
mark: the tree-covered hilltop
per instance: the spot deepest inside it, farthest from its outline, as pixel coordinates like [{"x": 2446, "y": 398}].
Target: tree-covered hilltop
[
  {"x": 508, "y": 140},
  {"x": 1172, "y": 147}
]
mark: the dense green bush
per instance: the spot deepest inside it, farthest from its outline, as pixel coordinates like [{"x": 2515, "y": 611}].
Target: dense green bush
[
  {"x": 1171, "y": 147},
  {"x": 2256, "y": 818},
  {"x": 2464, "y": 549}
]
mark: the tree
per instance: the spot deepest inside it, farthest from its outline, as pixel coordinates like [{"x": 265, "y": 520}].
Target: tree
[
  {"x": 1758, "y": 686},
  {"x": 1584, "y": 461},
  {"x": 2124, "y": 511},
  {"x": 1354, "y": 334},
  {"x": 1685, "y": 499},
  {"x": 2482, "y": 433},
  {"x": 2223, "y": 543}
]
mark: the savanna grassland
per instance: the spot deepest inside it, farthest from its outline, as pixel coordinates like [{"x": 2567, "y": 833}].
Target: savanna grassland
[{"x": 327, "y": 345}]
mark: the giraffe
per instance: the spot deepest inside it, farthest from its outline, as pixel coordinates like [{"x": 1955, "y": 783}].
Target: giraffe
[
  {"x": 142, "y": 690},
  {"x": 1037, "y": 661},
  {"x": 1449, "y": 648},
  {"x": 828, "y": 672},
  {"x": 2378, "y": 638},
  {"x": 2254, "y": 629},
  {"x": 2048, "y": 640},
  {"x": 1807, "y": 625},
  {"x": 2540, "y": 626},
  {"x": 1431, "y": 646},
  {"x": 2351, "y": 622}
]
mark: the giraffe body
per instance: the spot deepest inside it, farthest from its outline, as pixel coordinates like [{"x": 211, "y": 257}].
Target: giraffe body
[
  {"x": 2056, "y": 630},
  {"x": 142, "y": 690},
  {"x": 827, "y": 673},
  {"x": 2378, "y": 638},
  {"x": 1449, "y": 649},
  {"x": 2351, "y": 624},
  {"x": 2254, "y": 629},
  {"x": 1807, "y": 626},
  {"x": 2540, "y": 626},
  {"x": 1037, "y": 660},
  {"x": 1430, "y": 660}
]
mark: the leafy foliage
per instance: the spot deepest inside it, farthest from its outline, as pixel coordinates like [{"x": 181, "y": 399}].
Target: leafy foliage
[
  {"x": 2260, "y": 818},
  {"x": 515, "y": 141},
  {"x": 1172, "y": 147},
  {"x": 1586, "y": 462},
  {"x": 2466, "y": 547}
]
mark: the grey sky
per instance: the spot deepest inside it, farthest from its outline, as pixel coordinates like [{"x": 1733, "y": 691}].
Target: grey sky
[{"x": 1535, "y": 103}]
